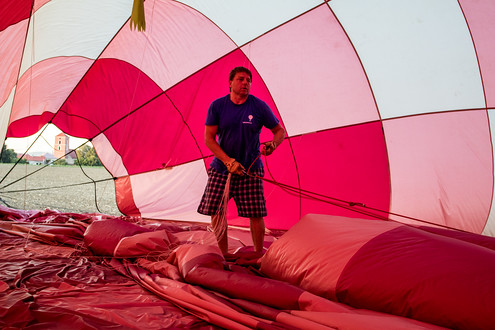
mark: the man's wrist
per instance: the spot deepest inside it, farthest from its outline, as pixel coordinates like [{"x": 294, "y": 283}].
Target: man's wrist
[{"x": 229, "y": 162}]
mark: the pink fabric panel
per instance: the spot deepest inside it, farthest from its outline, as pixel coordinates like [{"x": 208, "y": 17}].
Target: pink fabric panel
[
  {"x": 43, "y": 89},
  {"x": 177, "y": 42},
  {"x": 310, "y": 66},
  {"x": 313, "y": 253},
  {"x": 12, "y": 12},
  {"x": 443, "y": 164},
  {"x": 40, "y": 3},
  {"x": 479, "y": 15},
  {"x": 12, "y": 42},
  {"x": 427, "y": 277}
]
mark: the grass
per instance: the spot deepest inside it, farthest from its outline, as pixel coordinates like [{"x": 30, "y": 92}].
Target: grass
[{"x": 57, "y": 188}]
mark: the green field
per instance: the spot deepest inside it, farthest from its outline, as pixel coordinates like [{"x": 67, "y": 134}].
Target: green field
[{"x": 58, "y": 188}]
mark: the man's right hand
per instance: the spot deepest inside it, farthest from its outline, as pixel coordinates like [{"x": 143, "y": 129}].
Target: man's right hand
[{"x": 234, "y": 167}]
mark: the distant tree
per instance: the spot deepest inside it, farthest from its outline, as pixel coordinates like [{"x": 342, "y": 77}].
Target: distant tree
[
  {"x": 60, "y": 162},
  {"x": 87, "y": 156},
  {"x": 8, "y": 155}
]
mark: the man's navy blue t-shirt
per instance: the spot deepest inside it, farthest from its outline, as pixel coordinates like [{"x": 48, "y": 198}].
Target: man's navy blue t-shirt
[{"x": 239, "y": 128}]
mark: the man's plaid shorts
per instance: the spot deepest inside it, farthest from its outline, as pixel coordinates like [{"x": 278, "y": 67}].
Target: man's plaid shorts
[{"x": 247, "y": 192}]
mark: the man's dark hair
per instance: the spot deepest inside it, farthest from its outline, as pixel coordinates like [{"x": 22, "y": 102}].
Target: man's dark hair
[{"x": 239, "y": 69}]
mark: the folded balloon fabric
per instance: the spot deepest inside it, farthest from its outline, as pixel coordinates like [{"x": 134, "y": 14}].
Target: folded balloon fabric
[{"x": 97, "y": 271}]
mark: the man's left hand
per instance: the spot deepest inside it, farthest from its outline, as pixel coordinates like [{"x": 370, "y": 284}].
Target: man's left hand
[{"x": 268, "y": 148}]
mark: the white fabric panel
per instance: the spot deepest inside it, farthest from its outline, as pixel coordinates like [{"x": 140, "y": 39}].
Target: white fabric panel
[
  {"x": 5, "y": 110},
  {"x": 169, "y": 50},
  {"x": 108, "y": 156},
  {"x": 490, "y": 224},
  {"x": 172, "y": 194},
  {"x": 243, "y": 21},
  {"x": 73, "y": 28},
  {"x": 316, "y": 79},
  {"x": 418, "y": 54},
  {"x": 441, "y": 168}
]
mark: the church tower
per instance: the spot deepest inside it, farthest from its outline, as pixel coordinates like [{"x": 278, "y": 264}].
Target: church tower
[{"x": 61, "y": 147}]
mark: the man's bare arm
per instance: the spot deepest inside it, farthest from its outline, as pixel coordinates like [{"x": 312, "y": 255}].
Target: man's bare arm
[{"x": 278, "y": 137}]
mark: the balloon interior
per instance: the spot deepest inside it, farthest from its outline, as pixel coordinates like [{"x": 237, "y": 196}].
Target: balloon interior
[{"x": 379, "y": 200}]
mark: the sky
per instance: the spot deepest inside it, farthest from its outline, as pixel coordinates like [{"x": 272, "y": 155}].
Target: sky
[{"x": 43, "y": 144}]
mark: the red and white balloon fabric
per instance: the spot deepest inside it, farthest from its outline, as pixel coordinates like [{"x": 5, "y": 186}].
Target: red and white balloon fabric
[{"x": 387, "y": 104}]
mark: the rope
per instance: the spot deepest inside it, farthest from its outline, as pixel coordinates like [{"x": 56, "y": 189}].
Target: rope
[
  {"x": 44, "y": 166},
  {"x": 56, "y": 187},
  {"x": 348, "y": 205},
  {"x": 24, "y": 154},
  {"x": 220, "y": 225},
  {"x": 94, "y": 182}
]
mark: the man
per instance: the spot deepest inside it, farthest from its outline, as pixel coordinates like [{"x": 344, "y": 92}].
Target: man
[{"x": 237, "y": 119}]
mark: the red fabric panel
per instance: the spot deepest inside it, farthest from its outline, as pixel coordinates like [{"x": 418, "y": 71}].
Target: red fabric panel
[
  {"x": 102, "y": 236},
  {"x": 161, "y": 267},
  {"x": 189, "y": 256},
  {"x": 193, "y": 299},
  {"x": 424, "y": 276},
  {"x": 314, "y": 251},
  {"x": 139, "y": 103},
  {"x": 51, "y": 288},
  {"x": 28, "y": 125},
  {"x": 144, "y": 244},
  {"x": 244, "y": 286},
  {"x": 11, "y": 12},
  {"x": 125, "y": 198},
  {"x": 85, "y": 113},
  {"x": 353, "y": 168},
  {"x": 481, "y": 240},
  {"x": 363, "y": 319},
  {"x": 69, "y": 290},
  {"x": 13, "y": 309},
  {"x": 160, "y": 122}
]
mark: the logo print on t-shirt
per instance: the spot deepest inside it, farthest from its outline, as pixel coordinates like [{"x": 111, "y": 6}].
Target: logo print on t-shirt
[{"x": 250, "y": 117}]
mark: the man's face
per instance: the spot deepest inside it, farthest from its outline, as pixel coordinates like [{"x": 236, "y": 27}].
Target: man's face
[{"x": 241, "y": 84}]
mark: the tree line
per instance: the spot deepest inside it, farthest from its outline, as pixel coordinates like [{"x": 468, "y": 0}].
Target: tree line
[
  {"x": 86, "y": 156},
  {"x": 9, "y": 156}
]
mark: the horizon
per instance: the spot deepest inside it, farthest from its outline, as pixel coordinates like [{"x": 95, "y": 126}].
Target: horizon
[{"x": 44, "y": 144}]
